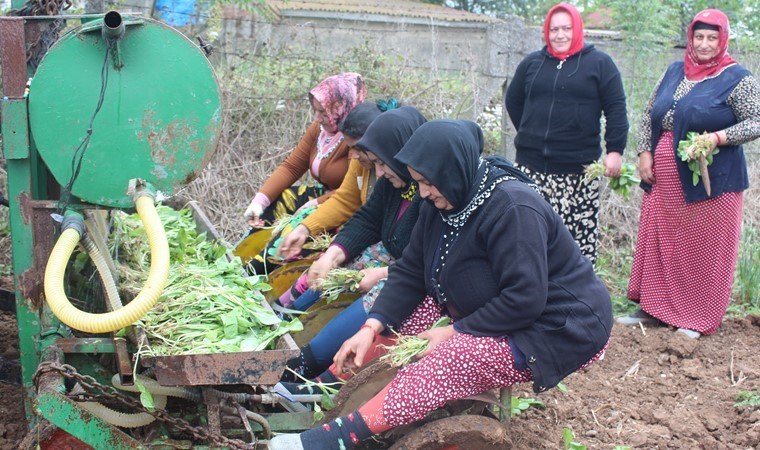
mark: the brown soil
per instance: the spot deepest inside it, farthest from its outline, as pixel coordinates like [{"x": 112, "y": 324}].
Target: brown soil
[{"x": 655, "y": 389}]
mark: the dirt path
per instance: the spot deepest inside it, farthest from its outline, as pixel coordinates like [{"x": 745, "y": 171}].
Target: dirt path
[{"x": 654, "y": 389}]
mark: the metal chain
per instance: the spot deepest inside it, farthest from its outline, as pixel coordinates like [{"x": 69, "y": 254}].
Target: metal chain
[
  {"x": 46, "y": 38},
  {"x": 90, "y": 384}
]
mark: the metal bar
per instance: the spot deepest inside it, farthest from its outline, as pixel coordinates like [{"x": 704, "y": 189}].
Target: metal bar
[
  {"x": 68, "y": 16},
  {"x": 505, "y": 397},
  {"x": 123, "y": 364},
  {"x": 86, "y": 345},
  {"x": 13, "y": 55},
  {"x": 213, "y": 411}
]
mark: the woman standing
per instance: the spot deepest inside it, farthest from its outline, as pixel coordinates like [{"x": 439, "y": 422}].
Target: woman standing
[
  {"x": 555, "y": 102},
  {"x": 683, "y": 267},
  {"x": 488, "y": 251}
]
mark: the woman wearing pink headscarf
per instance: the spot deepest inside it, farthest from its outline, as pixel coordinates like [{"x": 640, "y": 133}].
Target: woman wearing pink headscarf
[
  {"x": 683, "y": 267},
  {"x": 321, "y": 151},
  {"x": 555, "y": 102}
]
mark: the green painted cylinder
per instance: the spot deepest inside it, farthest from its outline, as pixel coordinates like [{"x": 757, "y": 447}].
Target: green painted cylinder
[{"x": 159, "y": 121}]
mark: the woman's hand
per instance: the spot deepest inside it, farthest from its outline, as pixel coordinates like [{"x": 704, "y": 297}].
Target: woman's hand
[
  {"x": 646, "y": 167},
  {"x": 436, "y": 336},
  {"x": 331, "y": 259},
  {"x": 293, "y": 242},
  {"x": 352, "y": 352},
  {"x": 612, "y": 164},
  {"x": 371, "y": 277},
  {"x": 253, "y": 213}
]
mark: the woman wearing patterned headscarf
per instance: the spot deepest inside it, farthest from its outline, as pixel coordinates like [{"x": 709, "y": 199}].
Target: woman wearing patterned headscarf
[
  {"x": 321, "y": 151},
  {"x": 683, "y": 266},
  {"x": 490, "y": 253},
  {"x": 555, "y": 102}
]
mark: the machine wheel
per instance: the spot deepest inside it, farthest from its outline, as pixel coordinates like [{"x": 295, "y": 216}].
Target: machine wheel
[
  {"x": 361, "y": 388},
  {"x": 459, "y": 432}
]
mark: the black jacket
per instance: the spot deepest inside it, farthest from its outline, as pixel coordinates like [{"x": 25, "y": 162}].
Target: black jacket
[
  {"x": 556, "y": 109},
  {"x": 514, "y": 270},
  {"x": 376, "y": 221}
]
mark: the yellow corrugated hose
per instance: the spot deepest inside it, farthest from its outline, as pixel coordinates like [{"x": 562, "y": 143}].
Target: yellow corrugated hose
[{"x": 129, "y": 314}]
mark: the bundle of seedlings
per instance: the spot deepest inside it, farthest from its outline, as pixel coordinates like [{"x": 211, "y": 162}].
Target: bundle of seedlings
[
  {"x": 338, "y": 281},
  {"x": 319, "y": 243},
  {"x": 208, "y": 305},
  {"x": 620, "y": 185},
  {"x": 698, "y": 152},
  {"x": 409, "y": 348}
]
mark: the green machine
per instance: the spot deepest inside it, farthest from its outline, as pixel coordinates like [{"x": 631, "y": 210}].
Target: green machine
[{"x": 116, "y": 114}]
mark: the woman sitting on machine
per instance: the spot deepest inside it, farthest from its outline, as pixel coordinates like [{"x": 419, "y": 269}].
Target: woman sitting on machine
[
  {"x": 489, "y": 252},
  {"x": 371, "y": 240}
]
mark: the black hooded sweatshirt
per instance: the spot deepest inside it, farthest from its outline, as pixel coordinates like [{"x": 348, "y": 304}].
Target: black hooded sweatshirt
[
  {"x": 378, "y": 219},
  {"x": 556, "y": 108},
  {"x": 509, "y": 267}
]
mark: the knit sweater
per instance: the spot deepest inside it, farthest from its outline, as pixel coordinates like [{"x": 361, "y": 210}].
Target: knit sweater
[
  {"x": 556, "y": 107},
  {"x": 376, "y": 221},
  {"x": 344, "y": 202},
  {"x": 332, "y": 169},
  {"x": 514, "y": 270}
]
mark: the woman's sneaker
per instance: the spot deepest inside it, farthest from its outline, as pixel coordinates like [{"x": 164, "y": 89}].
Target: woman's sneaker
[{"x": 639, "y": 317}]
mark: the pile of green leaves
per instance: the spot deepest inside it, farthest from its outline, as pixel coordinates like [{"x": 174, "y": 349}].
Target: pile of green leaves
[
  {"x": 622, "y": 184},
  {"x": 208, "y": 305},
  {"x": 691, "y": 149},
  {"x": 338, "y": 281},
  {"x": 408, "y": 348}
]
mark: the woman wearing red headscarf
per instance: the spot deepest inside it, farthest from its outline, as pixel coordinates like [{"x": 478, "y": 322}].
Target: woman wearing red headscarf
[
  {"x": 683, "y": 267},
  {"x": 555, "y": 102}
]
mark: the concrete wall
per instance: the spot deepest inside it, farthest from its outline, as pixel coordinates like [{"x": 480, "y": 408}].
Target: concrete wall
[{"x": 488, "y": 50}]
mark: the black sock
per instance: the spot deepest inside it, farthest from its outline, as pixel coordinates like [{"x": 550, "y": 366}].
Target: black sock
[
  {"x": 304, "y": 365},
  {"x": 342, "y": 433},
  {"x": 298, "y": 387}
]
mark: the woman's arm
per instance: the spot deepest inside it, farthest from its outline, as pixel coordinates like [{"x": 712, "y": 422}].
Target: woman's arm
[
  {"x": 365, "y": 226},
  {"x": 294, "y": 166},
  {"x": 340, "y": 206},
  {"x": 405, "y": 287},
  {"x": 745, "y": 102},
  {"x": 514, "y": 98},
  {"x": 612, "y": 96}
]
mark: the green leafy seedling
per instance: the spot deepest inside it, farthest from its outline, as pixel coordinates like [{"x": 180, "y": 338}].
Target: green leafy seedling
[{"x": 522, "y": 404}]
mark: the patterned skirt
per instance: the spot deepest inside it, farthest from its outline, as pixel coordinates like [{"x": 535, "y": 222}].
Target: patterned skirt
[
  {"x": 286, "y": 204},
  {"x": 457, "y": 368},
  {"x": 576, "y": 201},
  {"x": 683, "y": 267}
]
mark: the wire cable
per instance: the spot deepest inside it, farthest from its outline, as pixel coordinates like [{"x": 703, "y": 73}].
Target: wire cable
[{"x": 78, "y": 157}]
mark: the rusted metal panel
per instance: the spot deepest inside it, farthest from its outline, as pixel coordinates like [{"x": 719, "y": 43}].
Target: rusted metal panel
[
  {"x": 44, "y": 234},
  {"x": 13, "y": 55},
  {"x": 86, "y": 345},
  {"x": 253, "y": 368}
]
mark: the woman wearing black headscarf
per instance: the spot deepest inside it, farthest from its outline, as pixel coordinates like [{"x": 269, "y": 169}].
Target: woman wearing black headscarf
[
  {"x": 489, "y": 252},
  {"x": 374, "y": 237}
]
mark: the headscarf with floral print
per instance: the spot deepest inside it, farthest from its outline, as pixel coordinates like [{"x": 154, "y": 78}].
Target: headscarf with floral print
[{"x": 337, "y": 95}]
